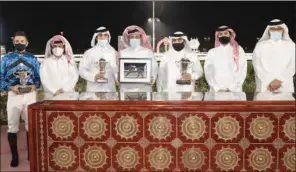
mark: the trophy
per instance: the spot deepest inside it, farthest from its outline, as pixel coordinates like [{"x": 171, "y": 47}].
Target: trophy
[
  {"x": 23, "y": 77},
  {"x": 184, "y": 64},
  {"x": 101, "y": 65}
]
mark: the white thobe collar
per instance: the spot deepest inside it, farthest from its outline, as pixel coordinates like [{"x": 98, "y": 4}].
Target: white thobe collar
[{"x": 225, "y": 46}]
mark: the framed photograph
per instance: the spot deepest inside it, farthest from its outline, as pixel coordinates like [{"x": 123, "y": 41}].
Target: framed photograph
[
  {"x": 135, "y": 96},
  {"x": 135, "y": 70}
]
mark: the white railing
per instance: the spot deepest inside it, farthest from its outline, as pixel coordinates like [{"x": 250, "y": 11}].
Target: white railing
[{"x": 200, "y": 56}]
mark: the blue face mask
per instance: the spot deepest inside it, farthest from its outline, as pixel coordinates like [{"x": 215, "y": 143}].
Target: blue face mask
[
  {"x": 276, "y": 35},
  {"x": 135, "y": 43},
  {"x": 103, "y": 42}
]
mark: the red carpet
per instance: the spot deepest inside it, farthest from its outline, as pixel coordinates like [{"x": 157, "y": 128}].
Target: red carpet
[{"x": 5, "y": 151}]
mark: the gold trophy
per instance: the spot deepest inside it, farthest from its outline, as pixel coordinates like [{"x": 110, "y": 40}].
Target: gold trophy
[
  {"x": 101, "y": 65},
  {"x": 184, "y": 64}
]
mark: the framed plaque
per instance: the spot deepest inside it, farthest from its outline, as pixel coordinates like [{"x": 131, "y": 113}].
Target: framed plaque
[{"x": 135, "y": 70}]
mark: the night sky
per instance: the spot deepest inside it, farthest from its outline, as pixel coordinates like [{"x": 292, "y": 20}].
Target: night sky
[{"x": 79, "y": 20}]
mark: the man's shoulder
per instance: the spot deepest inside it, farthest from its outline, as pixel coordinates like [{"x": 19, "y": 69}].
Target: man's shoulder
[
  {"x": 146, "y": 50},
  {"x": 5, "y": 57},
  {"x": 289, "y": 43},
  {"x": 30, "y": 55},
  {"x": 191, "y": 55},
  {"x": 213, "y": 50}
]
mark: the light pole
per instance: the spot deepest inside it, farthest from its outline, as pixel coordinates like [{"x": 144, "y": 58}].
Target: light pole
[
  {"x": 153, "y": 25},
  {"x": 153, "y": 20}
]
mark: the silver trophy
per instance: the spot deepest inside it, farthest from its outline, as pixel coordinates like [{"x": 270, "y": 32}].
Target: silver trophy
[
  {"x": 184, "y": 64},
  {"x": 23, "y": 77},
  {"x": 101, "y": 65}
]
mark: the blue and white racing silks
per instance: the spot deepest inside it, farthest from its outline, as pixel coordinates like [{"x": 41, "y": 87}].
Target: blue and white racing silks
[{"x": 13, "y": 62}]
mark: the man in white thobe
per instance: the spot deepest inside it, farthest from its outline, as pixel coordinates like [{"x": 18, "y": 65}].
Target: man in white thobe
[
  {"x": 100, "y": 77},
  {"x": 138, "y": 46},
  {"x": 58, "y": 71},
  {"x": 225, "y": 65},
  {"x": 274, "y": 59},
  {"x": 170, "y": 66}
]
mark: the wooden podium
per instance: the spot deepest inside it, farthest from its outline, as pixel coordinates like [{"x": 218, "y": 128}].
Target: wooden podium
[{"x": 162, "y": 135}]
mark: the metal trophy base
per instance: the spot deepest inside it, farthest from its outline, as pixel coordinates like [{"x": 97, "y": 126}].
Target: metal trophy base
[
  {"x": 24, "y": 89},
  {"x": 183, "y": 82},
  {"x": 102, "y": 80}
]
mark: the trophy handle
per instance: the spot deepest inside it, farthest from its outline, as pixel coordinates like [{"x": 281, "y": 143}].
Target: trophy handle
[{"x": 15, "y": 73}]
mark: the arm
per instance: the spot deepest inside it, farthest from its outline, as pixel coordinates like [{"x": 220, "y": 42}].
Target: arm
[
  {"x": 83, "y": 68},
  {"x": 264, "y": 76},
  {"x": 37, "y": 81},
  {"x": 241, "y": 74},
  {"x": 154, "y": 67},
  {"x": 161, "y": 74},
  {"x": 290, "y": 69},
  {"x": 46, "y": 83},
  {"x": 72, "y": 78},
  {"x": 114, "y": 65},
  {"x": 196, "y": 69},
  {"x": 3, "y": 74},
  {"x": 209, "y": 72}
]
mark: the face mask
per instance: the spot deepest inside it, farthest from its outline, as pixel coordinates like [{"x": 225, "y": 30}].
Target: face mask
[
  {"x": 135, "y": 42},
  {"x": 276, "y": 35},
  {"x": 224, "y": 39},
  {"x": 103, "y": 42},
  {"x": 20, "y": 47},
  {"x": 58, "y": 52},
  {"x": 178, "y": 46}
]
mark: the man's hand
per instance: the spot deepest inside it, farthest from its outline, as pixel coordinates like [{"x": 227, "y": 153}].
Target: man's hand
[
  {"x": 99, "y": 76},
  {"x": 152, "y": 81},
  {"x": 187, "y": 77},
  {"x": 117, "y": 83},
  {"x": 59, "y": 92},
  {"x": 3, "y": 93},
  {"x": 33, "y": 87},
  {"x": 274, "y": 85},
  {"x": 15, "y": 89}
]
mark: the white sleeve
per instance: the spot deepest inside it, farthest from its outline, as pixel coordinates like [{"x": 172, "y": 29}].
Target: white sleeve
[
  {"x": 290, "y": 69},
  {"x": 154, "y": 66},
  {"x": 263, "y": 75},
  {"x": 84, "y": 68},
  {"x": 209, "y": 72},
  {"x": 240, "y": 76},
  {"x": 196, "y": 69},
  {"x": 45, "y": 80},
  {"x": 72, "y": 78},
  {"x": 115, "y": 65},
  {"x": 161, "y": 78}
]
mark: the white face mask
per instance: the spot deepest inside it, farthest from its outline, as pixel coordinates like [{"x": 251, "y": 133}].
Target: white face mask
[
  {"x": 58, "y": 52},
  {"x": 103, "y": 42}
]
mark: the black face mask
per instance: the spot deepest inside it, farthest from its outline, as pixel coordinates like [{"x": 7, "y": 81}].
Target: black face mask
[
  {"x": 224, "y": 39},
  {"x": 20, "y": 47},
  {"x": 178, "y": 46}
]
